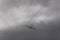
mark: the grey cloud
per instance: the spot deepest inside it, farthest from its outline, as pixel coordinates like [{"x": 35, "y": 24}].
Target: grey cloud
[
  {"x": 51, "y": 31},
  {"x": 7, "y": 4}
]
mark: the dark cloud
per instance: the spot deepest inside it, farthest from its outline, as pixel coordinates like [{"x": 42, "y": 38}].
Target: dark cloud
[
  {"x": 49, "y": 31},
  {"x": 7, "y": 4}
]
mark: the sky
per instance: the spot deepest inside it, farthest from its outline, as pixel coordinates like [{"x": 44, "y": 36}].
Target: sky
[{"x": 43, "y": 14}]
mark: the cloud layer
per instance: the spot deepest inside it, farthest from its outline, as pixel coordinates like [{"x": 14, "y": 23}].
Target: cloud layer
[{"x": 45, "y": 16}]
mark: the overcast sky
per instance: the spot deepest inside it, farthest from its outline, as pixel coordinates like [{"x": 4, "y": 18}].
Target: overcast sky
[{"x": 43, "y": 14}]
